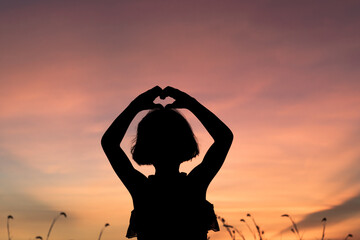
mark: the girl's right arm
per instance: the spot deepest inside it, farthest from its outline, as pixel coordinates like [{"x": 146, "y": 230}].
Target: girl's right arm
[
  {"x": 115, "y": 133},
  {"x": 221, "y": 134}
]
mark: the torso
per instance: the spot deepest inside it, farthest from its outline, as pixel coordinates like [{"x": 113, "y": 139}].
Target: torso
[{"x": 172, "y": 208}]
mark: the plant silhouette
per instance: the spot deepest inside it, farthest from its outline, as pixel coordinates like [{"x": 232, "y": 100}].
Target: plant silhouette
[
  {"x": 8, "y": 225},
  {"x": 53, "y": 222},
  {"x": 102, "y": 230},
  {"x": 169, "y": 204}
]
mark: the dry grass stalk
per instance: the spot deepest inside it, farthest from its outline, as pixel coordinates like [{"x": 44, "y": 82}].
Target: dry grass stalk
[
  {"x": 252, "y": 232},
  {"x": 260, "y": 233},
  {"x": 227, "y": 226},
  {"x": 295, "y": 229},
  {"x": 349, "y": 236},
  {"x": 8, "y": 225},
  {"x": 53, "y": 222},
  {"x": 323, "y": 232},
  {"x": 102, "y": 230},
  {"x": 240, "y": 233}
]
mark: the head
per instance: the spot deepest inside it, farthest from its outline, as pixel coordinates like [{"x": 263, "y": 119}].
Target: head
[{"x": 164, "y": 135}]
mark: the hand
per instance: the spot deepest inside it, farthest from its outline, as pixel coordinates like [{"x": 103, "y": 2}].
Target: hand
[
  {"x": 146, "y": 100},
  {"x": 182, "y": 100}
]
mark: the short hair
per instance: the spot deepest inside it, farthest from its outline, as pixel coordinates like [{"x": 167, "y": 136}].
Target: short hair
[{"x": 164, "y": 134}]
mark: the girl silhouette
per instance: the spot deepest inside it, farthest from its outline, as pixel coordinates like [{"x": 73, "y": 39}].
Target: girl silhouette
[{"x": 169, "y": 204}]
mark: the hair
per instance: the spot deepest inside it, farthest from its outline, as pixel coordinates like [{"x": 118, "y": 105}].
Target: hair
[{"x": 164, "y": 134}]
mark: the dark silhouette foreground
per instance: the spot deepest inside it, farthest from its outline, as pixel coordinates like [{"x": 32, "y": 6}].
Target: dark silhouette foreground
[{"x": 169, "y": 204}]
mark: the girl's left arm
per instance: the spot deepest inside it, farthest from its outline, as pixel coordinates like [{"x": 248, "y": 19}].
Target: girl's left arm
[{"x": 221, "y": 134}]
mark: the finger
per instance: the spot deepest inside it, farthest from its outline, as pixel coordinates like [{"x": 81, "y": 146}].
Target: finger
[
  {"x": 157, "y": 106},
  {"x": 163, "y": 94},
  {"x": 169, "y": 106},
  {"x": 153, "y": 106},
  {"x": 170, "y": 92},
  {"x": 155, "y": 91},
  {"x": 173, "y": 105}
]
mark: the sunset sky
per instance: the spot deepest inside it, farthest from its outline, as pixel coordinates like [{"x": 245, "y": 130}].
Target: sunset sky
[{"x": 283, "y": 75}]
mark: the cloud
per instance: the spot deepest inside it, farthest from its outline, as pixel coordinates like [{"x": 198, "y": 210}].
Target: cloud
[
  {"x": 348, "y": 176},
  {"x": 339, "y": 213},
  {"x": 16, "y": 179}
]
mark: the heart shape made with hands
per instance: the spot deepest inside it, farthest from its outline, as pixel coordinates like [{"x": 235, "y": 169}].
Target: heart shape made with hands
[{"x": 163, "y": 95}]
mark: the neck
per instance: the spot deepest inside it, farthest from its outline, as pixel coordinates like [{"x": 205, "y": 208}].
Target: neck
[{"x": 167, "y": 170}]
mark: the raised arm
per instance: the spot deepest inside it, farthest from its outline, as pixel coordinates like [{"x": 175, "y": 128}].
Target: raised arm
[
  {"x": 115, "y": 133},
  {"x": 221, "y": 134}
]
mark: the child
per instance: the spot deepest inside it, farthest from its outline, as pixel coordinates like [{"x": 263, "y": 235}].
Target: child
[{"x": 169, "y": 204}]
